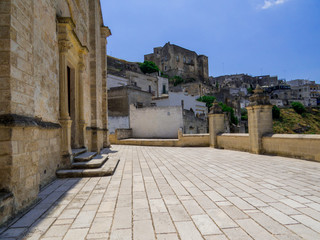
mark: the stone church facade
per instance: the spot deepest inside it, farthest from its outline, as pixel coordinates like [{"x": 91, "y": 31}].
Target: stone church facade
[{"x": 53, "y": 92}]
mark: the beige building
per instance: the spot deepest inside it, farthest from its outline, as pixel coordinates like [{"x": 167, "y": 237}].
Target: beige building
[
  {"x": 53, "y": 93},
  {"x": 174, "y": 60},
  {"x": 122, "y": 73}
]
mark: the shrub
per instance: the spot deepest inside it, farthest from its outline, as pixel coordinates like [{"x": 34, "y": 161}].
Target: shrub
[
  {"x": 298, "y": 107},
  {"x": 176, "y": 80},
  {"x": 208, "y": 100},
  {"x": 275, "y": 112},
  {"x": 226, "y": 108},
  {"x": 244, "y": 114},
  {"x": 148, "y": 67}
]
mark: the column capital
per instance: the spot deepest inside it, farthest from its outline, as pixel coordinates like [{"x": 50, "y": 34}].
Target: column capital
[{"x": 64, "y": 46}]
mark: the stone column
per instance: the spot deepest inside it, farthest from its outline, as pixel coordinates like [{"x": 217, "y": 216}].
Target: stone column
[
  {"x": 259, "y": 119},
  {"x": 216, "y": 124},
  {"x": 65, "y": 120},
  {"x": 105, "y": 33},
  {"x": 82, "y": 121}
]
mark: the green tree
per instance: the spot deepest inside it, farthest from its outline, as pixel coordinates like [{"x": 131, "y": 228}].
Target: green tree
[
  {"x": 233, "y": 117},
  {"x": 275, "y": 112},
  {"x": 298, "y": 107},
  {"x": 208, "y": 100},
  {"x": 148, "y": 67}
]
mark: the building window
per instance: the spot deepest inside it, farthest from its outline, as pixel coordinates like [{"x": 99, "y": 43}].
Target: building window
[
  {"x": 177, "y": 58},
  {"x": 184, "y": 59},
  {"x": 149, "y": 89},
  {"x": 165, "y": 68}
]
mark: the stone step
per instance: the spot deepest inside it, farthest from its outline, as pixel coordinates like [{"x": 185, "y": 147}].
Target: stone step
[
  {"x": 78, "y": 151},
  {"x": 95, "y": 162},
  {"x": 107, "y": 169},
  {"x": 84, "y": 157}
]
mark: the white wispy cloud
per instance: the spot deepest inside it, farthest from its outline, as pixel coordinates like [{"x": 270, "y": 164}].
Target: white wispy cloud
[{"x": 271, "y": 3}]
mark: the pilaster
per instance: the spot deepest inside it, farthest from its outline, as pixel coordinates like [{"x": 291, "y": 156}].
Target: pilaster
[
  {"x": 216, "y": 124},
  {"x": 259, "y": 119}
]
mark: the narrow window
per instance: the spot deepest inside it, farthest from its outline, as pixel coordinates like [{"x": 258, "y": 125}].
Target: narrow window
[{"x": 149, "y": 89}]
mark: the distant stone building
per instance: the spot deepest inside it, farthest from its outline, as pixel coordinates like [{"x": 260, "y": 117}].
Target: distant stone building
[
  {"x": 119, "y": 101},
  {"x": 177, "y": 61},
  {"x": 305, "y": 91},
  {"x": 122, "y": 73},
  {"x": 53, "y": 92}
]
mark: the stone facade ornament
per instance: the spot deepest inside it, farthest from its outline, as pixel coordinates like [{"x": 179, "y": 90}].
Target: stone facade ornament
[
  {"x": 216, "y": 109},
  {"x": 259, "y": 97}
]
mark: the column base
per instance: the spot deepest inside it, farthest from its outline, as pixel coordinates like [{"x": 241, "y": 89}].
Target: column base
[{"x": 65, "y": 137}]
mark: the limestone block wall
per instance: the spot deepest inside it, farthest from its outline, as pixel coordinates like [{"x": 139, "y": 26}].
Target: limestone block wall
[
  {"x": 5, "y": 21},
  {"x": 238, "y": 142},
  {"x": 293, "y": 145},
  {"x": 30, "y": 66}
]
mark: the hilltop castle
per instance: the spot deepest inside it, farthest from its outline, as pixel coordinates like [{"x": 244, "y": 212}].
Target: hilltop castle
[{"x": 177, "y": 61}]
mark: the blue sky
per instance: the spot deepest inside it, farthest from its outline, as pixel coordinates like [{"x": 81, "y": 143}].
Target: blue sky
[{"x": 276, "y": 37}]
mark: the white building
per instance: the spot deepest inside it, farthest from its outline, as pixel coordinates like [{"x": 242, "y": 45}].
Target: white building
[
  {"x": 156, "y": 85},
  {"x": 181, "y": 98}
]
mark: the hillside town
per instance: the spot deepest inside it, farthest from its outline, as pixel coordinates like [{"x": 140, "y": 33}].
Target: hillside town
[
  {"x": 94, "y": 147},
  {"x": 182, "y": 78}
]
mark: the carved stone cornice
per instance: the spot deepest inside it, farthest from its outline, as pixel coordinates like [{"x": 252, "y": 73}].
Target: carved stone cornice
[
  {"x": 105, "y": 32},
  {"x": 66, "y": 20},
  {"x": 64, "y": 46}
]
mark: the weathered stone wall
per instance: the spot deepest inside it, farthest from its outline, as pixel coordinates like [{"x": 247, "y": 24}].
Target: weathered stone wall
[
  {"x": 193, "y": 124},
  {"x": 123, "y": 133},
  {"x": 145, "y": 82},
  {"x": 5, "y": 21},
  {"x": 238, "y": 142},
  {"x": 293, "y": 145},
  {"x": 174, "y": 60},
  {"x": 30, "y": 90}
]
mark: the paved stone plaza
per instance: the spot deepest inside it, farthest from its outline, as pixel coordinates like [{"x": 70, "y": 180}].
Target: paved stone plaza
[{"x": 181, "y": 193}]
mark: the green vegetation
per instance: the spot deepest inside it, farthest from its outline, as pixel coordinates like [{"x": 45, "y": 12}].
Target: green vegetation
[
  {"x": 275, "y": 112},
  {"x": 250, "y": 90},
  {"x": 208, "y": 100},
  {"x": 244, "y": 114},
  {"x": 148, "y": 67},
  {"x": 234, "y": 120},
  {"x": 298, "y": 107},
  {"x": 176, "y": 80},
  {"x": 291, "y": 122}
]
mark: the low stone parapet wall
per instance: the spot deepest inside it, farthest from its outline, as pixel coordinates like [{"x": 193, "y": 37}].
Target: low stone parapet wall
[
  {"x": 123, "y": 133},
  {"x": 194, "y": 140},
  {"x": 292, "y": 145},
  {"x": 238, "y": 142},
  {"x": 183, "y": 140}
]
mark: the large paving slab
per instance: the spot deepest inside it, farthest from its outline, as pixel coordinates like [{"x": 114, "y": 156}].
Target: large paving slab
[{"x": 181, "y": 193}]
